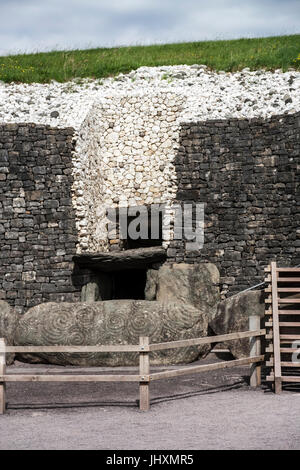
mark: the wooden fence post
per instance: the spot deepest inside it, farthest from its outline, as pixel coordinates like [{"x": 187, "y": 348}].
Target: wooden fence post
[
  {"x": 144, "y": 371},
  {"x": 255, "y": 350},
  {"x": 2, "y": 372},
  {"x": 276, "y": 333}
]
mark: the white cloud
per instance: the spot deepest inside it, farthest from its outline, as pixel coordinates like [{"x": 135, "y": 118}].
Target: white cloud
[{"x": 30, "y": 25}]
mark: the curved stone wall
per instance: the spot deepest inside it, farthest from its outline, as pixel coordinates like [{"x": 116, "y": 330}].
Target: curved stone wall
[
  {"x": 247, "y": 172},
  {"x": 55, "y": 185}
]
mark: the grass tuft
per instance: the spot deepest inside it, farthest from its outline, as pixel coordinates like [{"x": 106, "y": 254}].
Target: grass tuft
[{"x": 266, "y": 53}]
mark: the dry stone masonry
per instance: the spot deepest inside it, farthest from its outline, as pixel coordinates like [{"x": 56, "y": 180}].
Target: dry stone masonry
[
  {"x": 156, "y": 135},
  {"x": 37, "y": 223},
  {"x": 125, "y": 152},
  {"x": 247, "y": 174}
]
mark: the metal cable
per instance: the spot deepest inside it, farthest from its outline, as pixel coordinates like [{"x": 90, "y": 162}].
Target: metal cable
[{"x": 254, "y": 287}]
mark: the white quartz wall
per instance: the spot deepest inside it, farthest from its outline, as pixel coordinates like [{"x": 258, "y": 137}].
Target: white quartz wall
[
  {"x": 127, "y": 127},
  {"x": 124, "y": 157}
]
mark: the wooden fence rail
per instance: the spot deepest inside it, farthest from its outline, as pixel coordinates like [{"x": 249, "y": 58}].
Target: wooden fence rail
[{"x": 144, "y": 349}]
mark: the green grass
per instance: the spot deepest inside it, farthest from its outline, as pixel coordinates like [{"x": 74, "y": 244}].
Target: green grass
[{"x": 268, "y": 53}]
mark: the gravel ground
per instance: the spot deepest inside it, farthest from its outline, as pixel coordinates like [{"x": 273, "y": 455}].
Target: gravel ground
[{"x": 214, "y": 410}]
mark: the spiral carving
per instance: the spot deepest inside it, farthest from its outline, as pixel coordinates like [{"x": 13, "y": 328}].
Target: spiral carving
[
  {"x": 56, "y": 328},
  {"x": 85, "y": 316},
  {"x": 115, "y": 323},
  {"x": 142, "y": 321},
  {"x": 111, "y": 322}
]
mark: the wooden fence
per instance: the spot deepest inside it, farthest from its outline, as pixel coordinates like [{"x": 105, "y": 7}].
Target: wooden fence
[
  {"x": 144, "y": 349},
  {"x": 283, "y": 324}
]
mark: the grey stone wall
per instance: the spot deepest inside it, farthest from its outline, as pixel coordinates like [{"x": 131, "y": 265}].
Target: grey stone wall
[
  {"x": 37, "y": 223},
  {"x": 247, "y": 174}
]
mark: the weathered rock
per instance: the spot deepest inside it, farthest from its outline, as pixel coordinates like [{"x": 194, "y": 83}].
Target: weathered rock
[
  {"x": 112, "y": 322},
  {"x": 100, "y": 287},
  {"x": 9, "y": 320},
  {"x": 151, "y": 284},
  {"x": 90, "y": 292},
  {"x": 233, "y": 316},
  {"x": 197, "y": 284},
  {"x": 128, "y": 259}
]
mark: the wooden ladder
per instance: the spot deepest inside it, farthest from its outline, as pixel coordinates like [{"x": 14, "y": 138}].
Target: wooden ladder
[{"x": 282, "y": 324}]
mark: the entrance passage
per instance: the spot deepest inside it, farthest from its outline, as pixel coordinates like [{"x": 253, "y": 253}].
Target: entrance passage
[
  {"x": 117, "y": 275},
  {"x": 129, "y": 284}
]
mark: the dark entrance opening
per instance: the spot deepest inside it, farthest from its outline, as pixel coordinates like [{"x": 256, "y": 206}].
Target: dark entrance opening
[
  {"x": 144, "y": 229},
  {"x": 129, "y": 284},
  {"x": 116, "y": 275}
]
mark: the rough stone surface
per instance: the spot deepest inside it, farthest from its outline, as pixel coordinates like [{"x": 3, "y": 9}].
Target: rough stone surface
[
  {"x": 247, "y": 174},
  {"x": 210, "y": 94},
  {"x": 244, "y": 171},
  {"x": 9, "y": 320},
  {"x": 194, "y": 284},
  {"x": 112, "y": 322},
  {"x": 90, "y": 292},
  {"x": 157, "y": 135},
  {"x": 124, "y": 154},
  {"x": 233, "y": 315},
  {"x": 151, "y": 284},
  {"x": 127, "y": 259},
  {"x": 37, "y": 221}
]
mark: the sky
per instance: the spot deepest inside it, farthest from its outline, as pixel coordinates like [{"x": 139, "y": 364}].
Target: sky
[{"x": 43, "y": 25}]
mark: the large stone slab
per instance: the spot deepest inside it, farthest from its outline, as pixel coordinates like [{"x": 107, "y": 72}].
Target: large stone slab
[
  {"x": 233, "y": 315},
  {"x": 9, "y": 320},
  {"x": 112, "y": 322},
  {"x": 127, "y": 259},
  {"x": 197, "y": 284}
]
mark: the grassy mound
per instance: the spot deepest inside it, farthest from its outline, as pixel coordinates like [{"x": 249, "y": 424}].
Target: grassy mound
[{"x": 268, "y": 53}]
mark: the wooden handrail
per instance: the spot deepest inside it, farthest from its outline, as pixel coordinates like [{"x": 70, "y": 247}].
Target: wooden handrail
[
  {"x": 206, "y": 367},
  {"x": 144, "y": 349},
  {"x": 208, "y": 340},
  {"x": 71, "y": 378},
  {"x": 133, "y": 348},
  {"x": 74, "y": 349}
]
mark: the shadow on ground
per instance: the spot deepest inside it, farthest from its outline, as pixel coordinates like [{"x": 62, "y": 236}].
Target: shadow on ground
[{"x": 26, "y": 395}]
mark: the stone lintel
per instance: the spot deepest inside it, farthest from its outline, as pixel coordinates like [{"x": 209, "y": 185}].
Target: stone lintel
[{"x": 121, "y": 260}]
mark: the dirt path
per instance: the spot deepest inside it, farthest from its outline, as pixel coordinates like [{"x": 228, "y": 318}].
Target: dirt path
[{"x": 215, "y": 410}]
